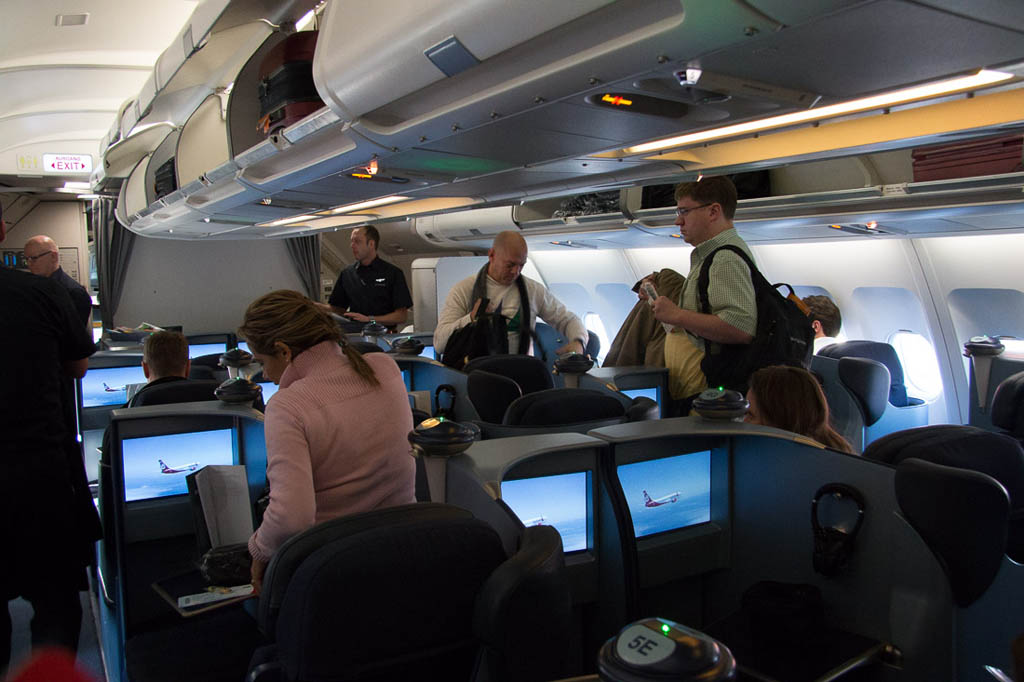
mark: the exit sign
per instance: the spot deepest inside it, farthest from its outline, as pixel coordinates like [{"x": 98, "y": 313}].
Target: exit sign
[{"x": 67, "y": 163}]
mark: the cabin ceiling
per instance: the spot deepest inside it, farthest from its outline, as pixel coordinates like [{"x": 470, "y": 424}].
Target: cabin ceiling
[
  {"x": 769, "y": 56},
  {"x": 63, "y": 85}
]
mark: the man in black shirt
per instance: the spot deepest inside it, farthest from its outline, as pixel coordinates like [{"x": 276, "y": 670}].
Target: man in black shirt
[
  {"x": 370, "y": 290},
  {"x": 49, "y": 524},
  {"x": 42, "y": 258}
]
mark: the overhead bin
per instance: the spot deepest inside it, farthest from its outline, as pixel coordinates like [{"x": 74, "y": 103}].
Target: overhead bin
[
  {"x": 203, "y": 143},
  {"x": 480, "y": 223}
]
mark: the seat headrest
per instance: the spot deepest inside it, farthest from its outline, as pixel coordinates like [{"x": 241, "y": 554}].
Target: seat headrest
[
  {"x": 525, "y": 606},
  {"x": 491, "y": 394},
  {"x": 209, "y": 360},
  {"x": 868, "y": 381},
  {"x": 962, "y": 517},
  {"x": 881, "y": 352},
  {"x": 953, "y": 445},
  {"x": 295, "y": 550},
  {"x": 184, "y": 391},
  {"x": 1008, "y": 405},
  {"x": 345, "y": 599},
  {"x": 563, "y": 406},
  {"x": 365, "y": 347},
  {"x": 529, "y": 372}
]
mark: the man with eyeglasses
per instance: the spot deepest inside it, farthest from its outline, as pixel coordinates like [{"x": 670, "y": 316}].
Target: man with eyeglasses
[
  {"x": 43, "y": 258},
  {"x": 704, "y": 214}
]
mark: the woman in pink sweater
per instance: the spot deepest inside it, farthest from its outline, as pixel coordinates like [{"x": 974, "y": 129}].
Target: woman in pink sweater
[{"x": 336, "y": 430}]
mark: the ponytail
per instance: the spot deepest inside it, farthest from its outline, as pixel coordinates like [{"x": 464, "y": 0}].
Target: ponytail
[{"x": 359, "y": 363}]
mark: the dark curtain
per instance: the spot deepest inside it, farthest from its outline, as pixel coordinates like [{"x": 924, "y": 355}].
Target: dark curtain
[
  {"x": 113, "y": 251},
  {"x": 305, "y": 253}
]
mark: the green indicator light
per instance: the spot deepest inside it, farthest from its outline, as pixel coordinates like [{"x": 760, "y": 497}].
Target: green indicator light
[
  {"x": 665, "y": 629},
  {"x": 721, "y": 388}
]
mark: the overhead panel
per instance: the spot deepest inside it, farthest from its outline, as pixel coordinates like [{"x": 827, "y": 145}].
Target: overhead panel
[{"x": 868, "y": 48}]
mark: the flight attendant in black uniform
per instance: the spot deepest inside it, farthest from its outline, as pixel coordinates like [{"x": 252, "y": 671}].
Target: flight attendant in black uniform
[
  {"x": 49, "y": 523},
  {"x": 370, "y": 290}
]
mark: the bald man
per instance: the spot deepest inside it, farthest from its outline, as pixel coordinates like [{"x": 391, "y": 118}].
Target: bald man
[
  {"x": 43, "y": 259},
  {"x": 497, "y": 281}
]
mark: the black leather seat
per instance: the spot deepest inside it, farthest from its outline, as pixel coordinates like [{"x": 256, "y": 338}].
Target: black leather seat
[
  {"x": 420, "y": 592},
  {"x": 857, "y": 392},
  {"x": 189, "y": 391},
  {"x": 880, "y": 352},
  {"x": 962, "y": 517},
  {"x": 491, "y": 394},
  {"x": 558, "y": 406},
  {"x": 966, "y": 447},
  {"x": 207, "y": 367},
  {"x": 530, "y": 373},
  {"x": 1008, "y": 406}
]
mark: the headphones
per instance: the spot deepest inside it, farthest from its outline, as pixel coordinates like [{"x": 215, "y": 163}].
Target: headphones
[
  {"x": 833, "y": 546},
  {"x": 445, "y": 412}
]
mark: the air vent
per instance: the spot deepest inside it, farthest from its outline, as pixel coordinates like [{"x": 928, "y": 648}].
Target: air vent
[{"x": 72, "y": 19}]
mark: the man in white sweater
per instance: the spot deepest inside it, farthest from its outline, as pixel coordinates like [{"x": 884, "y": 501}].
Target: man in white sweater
[{"x": 506, "y": 259}]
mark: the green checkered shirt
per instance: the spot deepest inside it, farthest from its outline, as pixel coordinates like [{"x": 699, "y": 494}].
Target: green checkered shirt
[{"x": 730, "y": 291}]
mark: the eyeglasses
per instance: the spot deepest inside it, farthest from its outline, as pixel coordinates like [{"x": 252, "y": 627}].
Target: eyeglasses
[
  {"x": 33, "y": 259},
  {"x": 681, "y": 212}
]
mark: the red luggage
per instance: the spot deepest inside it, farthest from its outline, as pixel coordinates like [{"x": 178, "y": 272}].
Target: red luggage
[{"x": 287, "y": 92}]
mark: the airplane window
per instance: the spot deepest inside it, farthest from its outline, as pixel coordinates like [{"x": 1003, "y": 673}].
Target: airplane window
[
  {"x": 592, "y": 321},
  {"x": 920, "y": 366}
]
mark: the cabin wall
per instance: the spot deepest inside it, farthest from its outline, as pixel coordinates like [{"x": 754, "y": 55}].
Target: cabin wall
[
  {"x": 203, "y": 286},
  {"x": 62, "y": 221}
]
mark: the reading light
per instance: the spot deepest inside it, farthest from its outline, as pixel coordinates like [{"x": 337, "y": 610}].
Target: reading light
[
  {"x": 689, "y": 76},
  {"x": 369, "y": 204},
  {"x": 372, "y": 167},
  {"x": 872, "y": 224},
  {"x": 927, "y": 91},
  {"x": 288, "y": 221}
]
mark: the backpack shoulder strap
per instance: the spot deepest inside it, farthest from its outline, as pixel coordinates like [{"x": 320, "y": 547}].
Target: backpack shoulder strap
[
  {"x": 525, "y": 328},
  {"x": 704, "y": 279},
  {"x": 479, "y": 286}
]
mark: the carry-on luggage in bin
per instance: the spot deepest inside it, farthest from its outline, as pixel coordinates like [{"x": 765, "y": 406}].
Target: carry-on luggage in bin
[
  {"x": 970, "y": 158},
  {"x": 287, "y": 92}
]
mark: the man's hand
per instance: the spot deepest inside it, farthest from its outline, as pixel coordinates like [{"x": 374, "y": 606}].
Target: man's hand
[
  {"x": 571, "y": 347},
  {"x": 666, "y": 311},
  {"x": 256, "y": 575},
  {"x": 640, "y": 293},
  {"x": 476, "y": 307},
  {"x": 357, "y": 317}
]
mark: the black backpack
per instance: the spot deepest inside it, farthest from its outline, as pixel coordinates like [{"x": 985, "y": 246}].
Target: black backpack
[
  {"x": 488, "y": 333},
  {"x": 784, "y": 335}
]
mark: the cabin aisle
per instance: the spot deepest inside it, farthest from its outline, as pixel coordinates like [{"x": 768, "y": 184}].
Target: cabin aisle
[{"x": 88, "y": 645}]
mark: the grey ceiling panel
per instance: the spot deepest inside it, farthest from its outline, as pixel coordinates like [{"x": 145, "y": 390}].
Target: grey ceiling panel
[
  {"x": 1008, "y": 13},
  {"x": 869, "y": 48}
]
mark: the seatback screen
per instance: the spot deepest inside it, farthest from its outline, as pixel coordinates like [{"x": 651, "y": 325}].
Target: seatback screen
[
  {"x": 559, "y": 501},
  {"x": 197, "y": 349},
  {"x": 107, "y": 386},
  {"x": 668, "y": 493},
  {"x": 156, "y": 466},
  {"x": 651, "y": 393}
]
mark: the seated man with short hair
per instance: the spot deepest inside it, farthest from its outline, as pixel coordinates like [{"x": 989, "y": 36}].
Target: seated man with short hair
[
  {"x": 164, "y": 359},
  {"x": 825, "y": 320}
]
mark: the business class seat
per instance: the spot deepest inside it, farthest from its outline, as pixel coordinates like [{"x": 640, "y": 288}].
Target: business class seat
[
  {"x": 527, "y": 371},
  {"x": 422, "y": 592},
  {"x": 190, "y": 391},
  {"x": 967, "y": 447},
  {"x": 856, "y": 390},
  {"x": 207, "y": 367},
  {"x": 1008, "y": 406},
  {"x": 549, "y": 340},
  {"x": 905, "y": 412}
]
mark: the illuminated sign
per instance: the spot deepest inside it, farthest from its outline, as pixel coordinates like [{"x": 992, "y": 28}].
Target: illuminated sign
[
  {"x": 67, "y": 163},
  {"x": 617, "y": 100}
]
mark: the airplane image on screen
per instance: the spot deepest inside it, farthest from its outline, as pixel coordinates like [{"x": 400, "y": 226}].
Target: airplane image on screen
[
  {"x": 535, "y": 521},
  {"x": 667, "y": 499},
  {"x": 184, "y": 468},
  {"x": 111, "y": 389}
]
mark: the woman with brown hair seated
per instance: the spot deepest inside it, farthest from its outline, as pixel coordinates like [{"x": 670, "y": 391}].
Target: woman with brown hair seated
[
  {"x": 791, "y": 399},
  {"x": 336, "y": 430}
]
